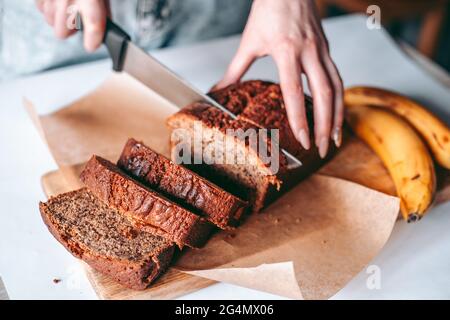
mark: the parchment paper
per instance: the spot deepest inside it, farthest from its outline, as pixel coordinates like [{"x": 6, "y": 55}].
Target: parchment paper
[
  {"x": 308, "y": 244},
  {"x": 329, "y": 228}
]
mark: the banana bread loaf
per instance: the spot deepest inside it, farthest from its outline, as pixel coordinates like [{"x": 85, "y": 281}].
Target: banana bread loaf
[
  {"x": 181, "y": 184},
  {"x": 105, "y": 240},
  {"x": 257, "y": 104},
  {"x": 145, "y": 208}
]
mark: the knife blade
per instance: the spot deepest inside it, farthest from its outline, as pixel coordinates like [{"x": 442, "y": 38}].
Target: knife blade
[
  {"x": 164, "y": 81},
  {"x": 146, "y": 69}
]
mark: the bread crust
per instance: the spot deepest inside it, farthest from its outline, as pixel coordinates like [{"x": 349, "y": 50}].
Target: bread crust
[
  {"x": 136, "y": 275},
  {"x": 145, "y": 209},
  {"x": 214, "y": 119},
  {"x": 257, "y": 104},
  {"x": 181, "y": 184}
]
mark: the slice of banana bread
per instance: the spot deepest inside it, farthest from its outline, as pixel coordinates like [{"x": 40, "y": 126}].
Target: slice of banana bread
[
  {"x": 181, "y": 184},
  {"x": 258, "y": 105},
  {"x": 145, "y": 208},
  {"x": 105, "y": 240}
]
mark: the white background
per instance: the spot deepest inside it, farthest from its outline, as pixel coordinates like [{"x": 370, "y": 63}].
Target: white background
[{"x": 414, "y": 264}]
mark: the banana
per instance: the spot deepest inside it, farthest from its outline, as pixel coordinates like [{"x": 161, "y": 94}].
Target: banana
[
  {"x": 403, "y": 153},
  {"x": 433, "y": 130}
]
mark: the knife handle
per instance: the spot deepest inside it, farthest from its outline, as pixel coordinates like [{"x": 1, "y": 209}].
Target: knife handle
[{"x": 116, "y": 40}]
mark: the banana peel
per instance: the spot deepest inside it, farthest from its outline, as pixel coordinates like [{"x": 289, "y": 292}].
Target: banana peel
[
  {"x": 403, "y": 153},
  {"x": 432, "y": 129}
]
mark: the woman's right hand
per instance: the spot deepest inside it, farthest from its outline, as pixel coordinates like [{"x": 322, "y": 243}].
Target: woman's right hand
[{"x": 60, "y": 14}]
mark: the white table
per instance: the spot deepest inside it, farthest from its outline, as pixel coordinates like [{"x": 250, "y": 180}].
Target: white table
[{"x": 414, "y": 264}]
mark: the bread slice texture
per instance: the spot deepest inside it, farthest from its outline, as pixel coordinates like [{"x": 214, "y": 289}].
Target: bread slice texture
[
  {"x": 181, "y": 184},
  {"x": 258, "y": 105},
  {"x": 145, "y": 208},
  {"x": 105, "y": 240}
]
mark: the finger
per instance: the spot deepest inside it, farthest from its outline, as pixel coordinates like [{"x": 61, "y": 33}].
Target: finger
[
  {"x": 48, "y": 8},
  {"x": 40, "y": 5},
  {"x": 237, "y": 68},
  {"x": 338, "y": 114},
  {"x": 291, "y": 86},
  {"x": 322, "y": 92},
  {"x": 93, "y": 13},
  {"x": 61, "y": 19},
  {"x": 107, "y": 8}
]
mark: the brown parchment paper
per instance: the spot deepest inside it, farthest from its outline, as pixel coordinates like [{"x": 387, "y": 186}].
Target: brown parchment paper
[
  {"x": 308, "y": 244},
  {"x": 329, "y": 228}
]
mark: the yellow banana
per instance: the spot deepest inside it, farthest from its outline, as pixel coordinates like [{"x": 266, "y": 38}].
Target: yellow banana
[
  {"x": 403, "y": 153},
  {"x": 433, "y": 130}
]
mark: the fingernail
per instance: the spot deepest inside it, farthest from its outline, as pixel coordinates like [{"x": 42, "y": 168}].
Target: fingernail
[
  {"x": 337, "y": 136},
  {"x": 303, "y": 137},
  {"x": 323, "y": 147}
]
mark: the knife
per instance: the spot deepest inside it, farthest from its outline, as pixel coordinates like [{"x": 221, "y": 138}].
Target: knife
[{"x": 129, "y": 58}]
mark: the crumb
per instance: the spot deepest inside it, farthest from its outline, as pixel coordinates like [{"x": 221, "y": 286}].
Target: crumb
[
  {"x": 56, "y": 281},
  {"x": 277, "y": 220},
  {"x": 129, "y": 232}
]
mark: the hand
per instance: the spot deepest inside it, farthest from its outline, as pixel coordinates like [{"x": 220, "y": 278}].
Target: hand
[
  {"x": 58, "y": 14},
  {"x": 290, "y": 32}
]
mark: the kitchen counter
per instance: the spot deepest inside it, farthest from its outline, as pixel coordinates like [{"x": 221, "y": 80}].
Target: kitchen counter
[{"x": 413, "y": 264}]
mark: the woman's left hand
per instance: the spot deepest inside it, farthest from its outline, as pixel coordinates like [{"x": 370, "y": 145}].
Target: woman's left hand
[{"x": 291, "y": 32}]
